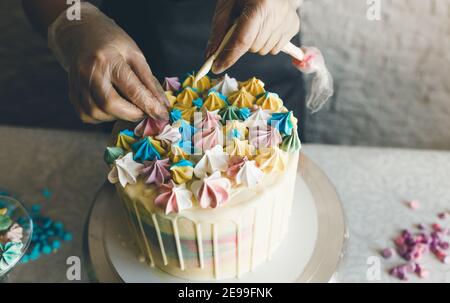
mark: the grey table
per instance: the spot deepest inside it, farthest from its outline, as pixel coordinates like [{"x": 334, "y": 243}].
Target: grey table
[{"x": 372, "y": 184}]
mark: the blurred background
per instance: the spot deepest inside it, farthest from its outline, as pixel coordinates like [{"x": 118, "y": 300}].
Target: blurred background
[{"x": 392, "y": 77}]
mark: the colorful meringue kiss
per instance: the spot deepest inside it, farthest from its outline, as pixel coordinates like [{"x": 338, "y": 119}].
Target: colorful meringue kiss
[
  {"x": 175, "y": 115},
  {"x": 259, "y": 118},
  {"x": 169, "y": 135},
  {"x": 210, "y": 120},
  {"x": 212, "y": 161},
  {"x": 270, "y": 101},
  {"x": 174, "y": 198},
  {"x": 291, "y": 143},
  {"x": 262, "y": 137},
  {"x": 242, "y": 98},
  {"x": 282, "y": 121},
  {"x": 249, "y": 175},
  {"x": 235, "y": 129},
  {"x": 182, "y": 171},
  {"x": 271, "y": 159},
  {"x": 207, "y": 139},
  {"x": 215, "y": 101},
  {"x": 187, "y": 112},
  {"x": 229, "y": 113},
  {"x": 171, "y": 84},
  {"x": 212, "y": 191},
  {"x": 186, "y": 97},
  {"x": 226, "y": 86},
  {"x": 156, "y": 171},
  {"x": 125, "y": 139},
  {"x": 111, "y": 154},
  {"x": 171, "y": 98},
  {"x": 147, "y": 149},
  {"x": 241, "y": 148},
  {"x": 254, "y": 86},
  {"x": 202, "y": 85},
  {"x": 235, "y": 164},
  {"x": 150, "y": 127},
  {"x": 178, "y": 153},
  {"x": 125, "y": 171}
]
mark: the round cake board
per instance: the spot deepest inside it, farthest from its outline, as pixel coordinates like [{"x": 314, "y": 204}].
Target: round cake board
[{"x": 310, "y": 252}]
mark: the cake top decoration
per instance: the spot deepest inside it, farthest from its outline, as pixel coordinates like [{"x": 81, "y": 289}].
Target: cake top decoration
[{"x": 221, "y": 135}]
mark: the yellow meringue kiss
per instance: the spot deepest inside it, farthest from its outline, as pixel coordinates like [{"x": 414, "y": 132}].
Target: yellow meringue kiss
[
  {"x": 214, "y": 101},
  {"x": 254, "y": 86},
  {"x": 271, "y": 159},
  {"x": 202, "y": 85},
  {"x": 172, "y": 99},
  {"x": 182, "y": 174},
  {"x": 242, "y": 98},
  {"x": 187, "y": 112},
  {"x": 176, "y": 154},
  {"x": 270, "y": 101},
  {"x": 187, "y": 96},
  {"x": 241, "y": 148}
]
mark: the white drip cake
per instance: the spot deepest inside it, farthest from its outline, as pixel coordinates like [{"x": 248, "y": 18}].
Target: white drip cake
[{"x": 208, "y": 194}]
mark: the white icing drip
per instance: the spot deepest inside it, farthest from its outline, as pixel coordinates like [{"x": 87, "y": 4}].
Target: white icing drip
[
  {"x": 177, "y": 242},
  {"x": 160, "y": 241},
  {"x": 238, "y": 250},
  {"x": 199, "y": 237},
  {"x": 215, "y": 252},
  {"x": 272, "y": 227},
  {"x": 149, "y": 252},
  {"x": 252, "y": 257}
]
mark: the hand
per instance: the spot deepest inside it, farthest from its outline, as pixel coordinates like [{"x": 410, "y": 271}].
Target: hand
[
  {"x": 263, "y": 26},
  {"x": 109, "y": 77}
]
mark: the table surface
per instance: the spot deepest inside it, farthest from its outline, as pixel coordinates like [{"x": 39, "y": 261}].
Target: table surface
[{"x": 373, "y": 184}]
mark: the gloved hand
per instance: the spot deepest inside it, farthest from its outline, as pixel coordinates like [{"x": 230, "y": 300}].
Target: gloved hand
[
  {"x": 109, "y": 77},
  {"x": 263, "y": 26}
]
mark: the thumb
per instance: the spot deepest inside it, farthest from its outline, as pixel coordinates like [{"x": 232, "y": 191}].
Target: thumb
[{"x": 221, "y": 23}]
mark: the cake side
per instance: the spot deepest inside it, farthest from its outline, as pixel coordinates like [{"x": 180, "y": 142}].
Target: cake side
[{"x": 204, "y": 244}]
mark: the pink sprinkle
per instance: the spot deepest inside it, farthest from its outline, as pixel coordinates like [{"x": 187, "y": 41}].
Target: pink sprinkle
[
  {"x": 399, "y": 240},
  {"x": 442, "y": 216},
  {"x": 413, "y": 204},
  {"x": 387, "y": 253},
  {"x": 436, "y": 227}
]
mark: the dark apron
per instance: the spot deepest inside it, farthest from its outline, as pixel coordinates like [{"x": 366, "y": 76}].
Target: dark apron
[{"x": 173, "y": 35}]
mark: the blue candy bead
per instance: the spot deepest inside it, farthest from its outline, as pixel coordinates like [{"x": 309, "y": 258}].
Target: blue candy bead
[
  {"x": 36, "y": 208},
  {"x": 67, "y": 236},
  {"x": 56, "y": 244},
  {"x": 58, "y": 225},
  {"x": 47, "y": 250}
]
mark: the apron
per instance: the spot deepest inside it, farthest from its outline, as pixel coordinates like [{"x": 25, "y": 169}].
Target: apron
[{"x": 173, "y": 35}]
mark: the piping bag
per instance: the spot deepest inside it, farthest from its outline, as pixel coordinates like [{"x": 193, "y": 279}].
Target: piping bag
[{"x": 308, "y": 60}]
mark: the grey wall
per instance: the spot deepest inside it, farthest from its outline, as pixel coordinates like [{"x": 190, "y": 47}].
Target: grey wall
[{"x": 392, "y": 76}]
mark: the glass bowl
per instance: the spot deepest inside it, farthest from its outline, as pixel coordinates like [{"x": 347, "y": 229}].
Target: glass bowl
[{"x": 18, "y": 214}]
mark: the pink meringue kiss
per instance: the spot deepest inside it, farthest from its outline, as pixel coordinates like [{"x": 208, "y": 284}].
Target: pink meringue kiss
[
  {"x": 150, "y": 127},
  {"x": 234, "y": 165},
  {"x": 212, "y": 191},
  {"x": 156, "y": 171},
  {"x": 174, "y": 198},
  {"x": 207, "y": 139}
]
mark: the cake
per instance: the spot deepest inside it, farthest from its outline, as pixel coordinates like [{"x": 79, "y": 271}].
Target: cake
[{"x": 208, "y": 194}]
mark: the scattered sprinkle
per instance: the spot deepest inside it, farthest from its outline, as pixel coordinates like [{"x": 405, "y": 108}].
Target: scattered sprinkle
[{"x": 413, "y": 204}]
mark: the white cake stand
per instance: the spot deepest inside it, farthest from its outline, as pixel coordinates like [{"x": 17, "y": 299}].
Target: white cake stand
[{"x": 311, "y": 251}]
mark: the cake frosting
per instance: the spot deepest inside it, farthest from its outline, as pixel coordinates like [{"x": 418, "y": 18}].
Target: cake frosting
[{"x": 208, "y": 193}]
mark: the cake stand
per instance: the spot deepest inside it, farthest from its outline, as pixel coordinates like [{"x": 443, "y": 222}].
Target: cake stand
[{"x": 311, "y": 251}]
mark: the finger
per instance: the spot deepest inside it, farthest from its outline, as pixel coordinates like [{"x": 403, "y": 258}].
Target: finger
[
  {"x": 240, "y": 42},
  {"x": 287, "y": 36},
  {"x": 270, "y": 43},
  {"x": 92, "y": 109},
  {"x": 221, "y": 22},
  {"x": 141, "y": 68},
  {"x": 134, "y": 91},
  {"x": 75, "y": 97},
  {"x": 110, "y": 101}
]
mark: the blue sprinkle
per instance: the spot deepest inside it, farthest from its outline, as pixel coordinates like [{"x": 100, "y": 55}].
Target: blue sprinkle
[
  {"x": 36, "y": 208},
  {"x": 67, "y": 237},
  {"x": 58, "y": 225},
  {"x": 46, "y": 193},
  {"x": 56, "y": 244},
  {"x": 47, "y": 250}
]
